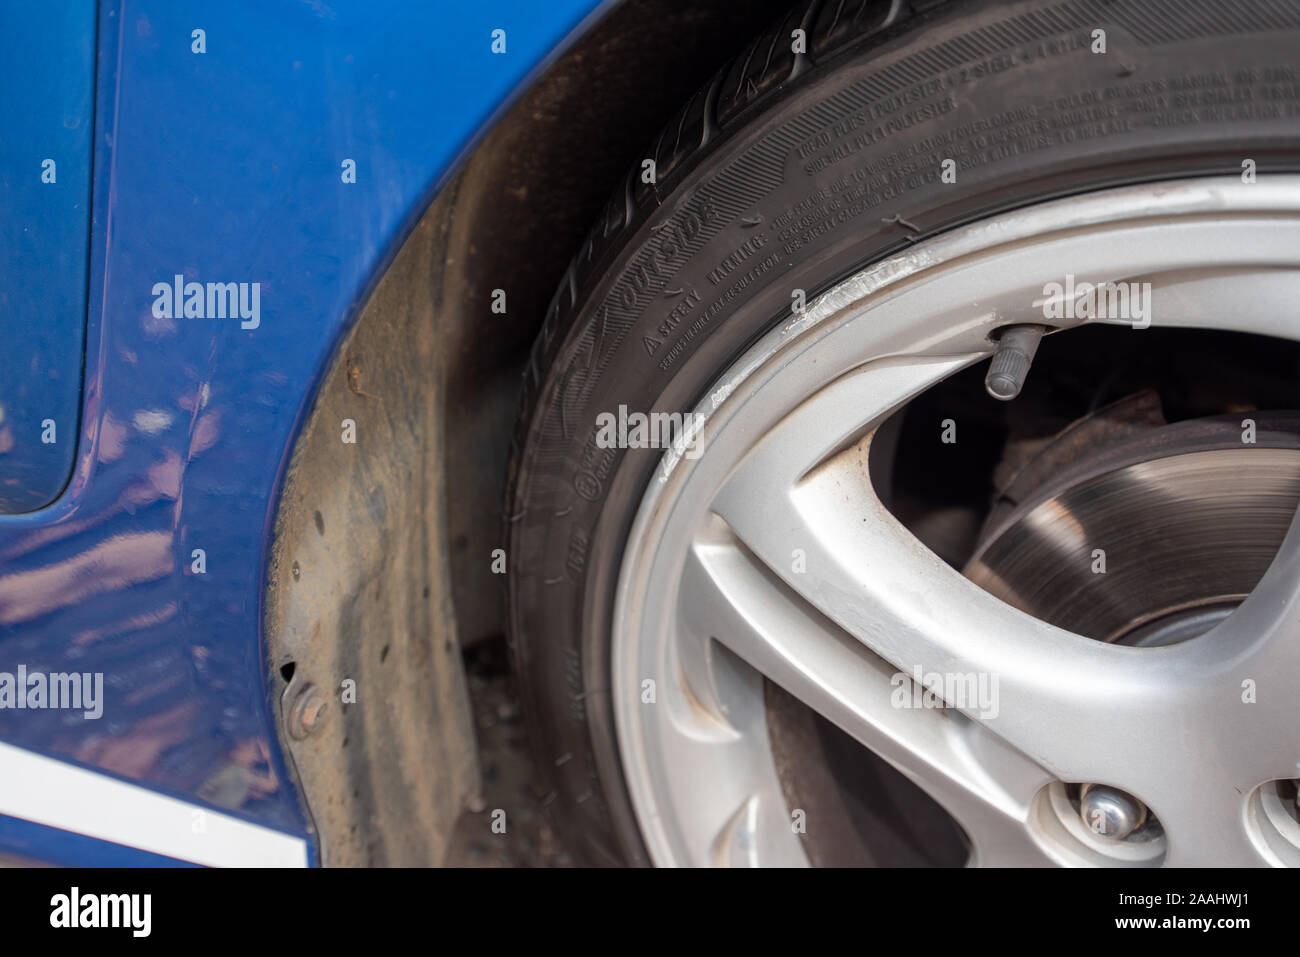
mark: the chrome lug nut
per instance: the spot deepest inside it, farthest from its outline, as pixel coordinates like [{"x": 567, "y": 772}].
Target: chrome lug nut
[{"x": 1109, "y": 812}]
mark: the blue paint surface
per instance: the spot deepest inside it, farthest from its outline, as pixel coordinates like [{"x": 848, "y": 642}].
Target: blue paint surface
[
  {"x": 226, "y": 166},
  {"x": 35, "y": 843},
  {"x": 47, "y": 65}
]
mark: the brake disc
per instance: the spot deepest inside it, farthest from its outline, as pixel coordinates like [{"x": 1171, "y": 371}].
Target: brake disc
[{"x": 1150, "y": 539}]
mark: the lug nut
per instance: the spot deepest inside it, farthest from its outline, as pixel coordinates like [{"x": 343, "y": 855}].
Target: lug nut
[
  {"x": 1109, "y": 812},
  {"x": 1010, "y": 364},
  {"x": 307, "y": 713}
]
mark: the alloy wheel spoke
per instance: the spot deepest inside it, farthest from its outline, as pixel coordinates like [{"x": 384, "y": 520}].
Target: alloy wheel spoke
[
  {"x": 1250, "y": 667},
  {"x": 828, "y": 537},
  {"x": 729, "y": 597}
]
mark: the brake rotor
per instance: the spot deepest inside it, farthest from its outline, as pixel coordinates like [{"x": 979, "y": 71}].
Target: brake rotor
[{"x": 1151, "y": 538}]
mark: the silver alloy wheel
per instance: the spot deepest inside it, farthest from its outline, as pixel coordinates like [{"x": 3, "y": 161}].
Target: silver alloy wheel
[{"x": 771, "y": 555}]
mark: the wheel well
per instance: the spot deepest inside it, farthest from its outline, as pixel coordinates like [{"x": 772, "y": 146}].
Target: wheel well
[
  {"x": 512, "y": 218},
  {"x": 381, "y": 566}
]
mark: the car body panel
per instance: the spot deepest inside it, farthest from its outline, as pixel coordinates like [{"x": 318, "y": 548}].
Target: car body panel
[{"x": 47, "y": 65}]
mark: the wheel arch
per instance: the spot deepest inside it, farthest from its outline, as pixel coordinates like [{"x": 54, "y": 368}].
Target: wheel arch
[{"x": 380, "y": 543}]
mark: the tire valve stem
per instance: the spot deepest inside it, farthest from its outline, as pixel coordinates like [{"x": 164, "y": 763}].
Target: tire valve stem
[{"x": 1010, "y": 364}]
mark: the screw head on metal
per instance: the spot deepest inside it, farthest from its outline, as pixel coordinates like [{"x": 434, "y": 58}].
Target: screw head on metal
[
  {"x": 307, "y": 712},
  {"x": 1109, "y": 812}
]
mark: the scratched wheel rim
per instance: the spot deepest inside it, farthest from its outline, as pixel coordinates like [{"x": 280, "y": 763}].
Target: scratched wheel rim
[{"x": 710, "y": 604}]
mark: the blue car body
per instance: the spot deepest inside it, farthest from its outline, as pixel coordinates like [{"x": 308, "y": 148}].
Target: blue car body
[{"x": 285, "y": 149}]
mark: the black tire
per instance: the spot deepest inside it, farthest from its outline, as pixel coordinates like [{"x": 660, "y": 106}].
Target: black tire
[{"x": 792, "y": 171}]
